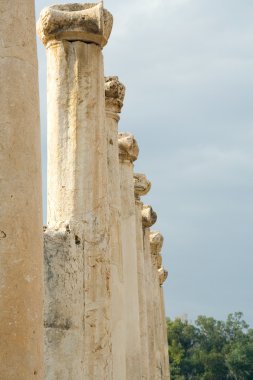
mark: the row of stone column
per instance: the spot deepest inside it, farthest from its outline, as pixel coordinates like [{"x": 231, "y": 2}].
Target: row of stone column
[
  {"x": 103, "y": 294},
  {"x": 103, "y": 301}
]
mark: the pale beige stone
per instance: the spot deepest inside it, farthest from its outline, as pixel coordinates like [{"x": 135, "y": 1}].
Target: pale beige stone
[
  {"x": 64, "y": 281},
  {"x": 165, "y": 339},
  {"x": 156, "y": 242},
  {"x": 141, "y": 187},
  {"x": 88, "y": 22},
  {"x": 159, "y": 276},
  {"x": 21, "y": 250},
  {"x": 163, "y": 274},
  {"x": 128, "y": 148},
  {"x": 149, "y": 217},
  {"x": 114, "y": 96},
  {"x": 150, "y": 304},
  {"x": 159, "y": 261},
  {"x": 77, "y": 195},
  {"x": 128, "y": 152}
]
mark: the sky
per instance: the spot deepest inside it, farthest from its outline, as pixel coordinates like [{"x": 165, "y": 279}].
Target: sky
[{"x": 188, "y": 69}]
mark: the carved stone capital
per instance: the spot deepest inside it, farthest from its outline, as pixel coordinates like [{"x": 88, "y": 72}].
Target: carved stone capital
[
  {"x": 141, "y": 185},
  {"x": 88, "y": 22},
  {"x": 128, "y": 147},
  {"x": 156, "y": 242},
  {"x": 149, "y": 217},
  {"x": 114, "y": 94},
  {"x": 163, "y": 274}
]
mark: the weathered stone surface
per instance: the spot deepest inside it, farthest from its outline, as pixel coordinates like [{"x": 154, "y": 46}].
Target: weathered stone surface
[
  {"x": 78, "y": 189},
  {"x": 88, "y": 22},
  {"x": 159, "y": 276},
  {"x": 128, "y": 147},
  {"x": 163, "y": 275},
  {"x": 141, "y": 185},
  {"x": 128, "y": 151},
  {"x": 114, "y": 96},
  {"x": 149, "y": 217},
  {"x": 159, "y": 261},
  {"x": 165, "y": 354},
  {"x": 64, "y": 305},
  {"x": 21, "y": 251},
  {"x": 156, "y": 242},
  {"x": 150, "y": 296}
]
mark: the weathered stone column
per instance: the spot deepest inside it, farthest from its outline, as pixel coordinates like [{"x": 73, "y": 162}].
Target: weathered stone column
[
  {"x": 114, "y": 96},
  {"x": 128, "y": 153},
  {"x": 156, "y": 243},
  {"x": 163, "y": 274},
  {"x": 77, "y": 255},
  {"x": 141, "y": 187},
  {"x": 21, "y": 278},
  {"x": 148, "y": 219}
]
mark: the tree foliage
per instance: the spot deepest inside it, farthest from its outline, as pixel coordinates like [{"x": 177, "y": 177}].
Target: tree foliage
[{"x": 211, "y": 349}]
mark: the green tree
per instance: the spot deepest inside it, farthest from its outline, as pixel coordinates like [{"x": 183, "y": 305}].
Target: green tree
[{"x": 211, "y": 349}]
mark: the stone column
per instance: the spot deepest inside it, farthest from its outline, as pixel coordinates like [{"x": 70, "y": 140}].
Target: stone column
[
  {"x": 128, "y": 153},
  {"x": 148, "y": 219},
  {"x": 163, "y": 274},
  {"x": 114, "y": 96},
  {"x": 21, "y": 239},
  {"x": 141, "y": 187},
  {"x": 156, "y": 243},
  {"x": 77, "y": 255}
]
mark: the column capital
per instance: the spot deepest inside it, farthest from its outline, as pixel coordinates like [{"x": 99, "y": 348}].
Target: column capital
[
  {"x": 149, "y": 217},
  {"x": 128, "y": 147},
  {"x": 163, "y": 274},
  {"x": 141, "y": 185},
  {"x": 88, "y": 22},
  {"x": 156, "y": 242},
  {"x": 114, "y": 94}
]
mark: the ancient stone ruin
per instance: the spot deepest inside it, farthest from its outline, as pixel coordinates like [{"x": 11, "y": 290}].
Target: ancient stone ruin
[{"x": 101, "y": 294}]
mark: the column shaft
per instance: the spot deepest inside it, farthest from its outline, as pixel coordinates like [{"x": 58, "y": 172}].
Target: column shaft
[
  {"x": 21, "y": 278},
  {"x": 114, "y": 98},
  {"x": 77, "y": 198},
  {"x": 129, "y": 250},
  {"x": 142, "y": 292},
  {"x": 159, "y": 276},
  {"x": 159, "y": 323},
  {"x": 142, "y": 187},
  {"x": 77, "y": 252},
  {"x": 77, "y": 175},
  {"x": 150, "y": 304},
  {"x": 164, "y": 337}
]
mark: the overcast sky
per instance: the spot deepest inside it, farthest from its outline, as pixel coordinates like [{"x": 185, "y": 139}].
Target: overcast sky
[{"x": 188, "y": 69}]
